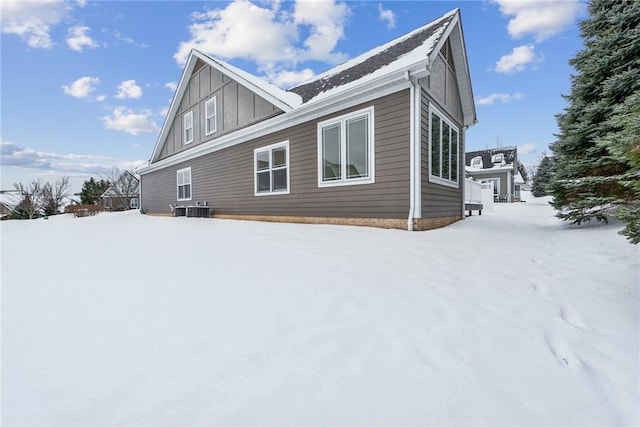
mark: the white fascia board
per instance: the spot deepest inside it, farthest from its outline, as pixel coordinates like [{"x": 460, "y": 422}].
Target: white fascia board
[{"x": 382, "y": 86}]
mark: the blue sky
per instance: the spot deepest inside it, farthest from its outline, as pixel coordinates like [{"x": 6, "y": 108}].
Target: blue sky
[{"x": 85, "y": 85}]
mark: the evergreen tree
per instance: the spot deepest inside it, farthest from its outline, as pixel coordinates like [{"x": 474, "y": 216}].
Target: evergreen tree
[
  {"x": 542, "y": 177},
  {"x": 92, "y": 190},
  {"x": 597, "y": 172}
]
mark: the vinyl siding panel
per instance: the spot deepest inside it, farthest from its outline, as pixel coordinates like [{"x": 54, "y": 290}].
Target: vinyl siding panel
[
  {"x": 225, "y": 178},
  {"x": 439, "y": 200}
]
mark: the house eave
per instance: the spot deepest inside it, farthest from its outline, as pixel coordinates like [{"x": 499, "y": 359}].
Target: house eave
[{"x": 372, "y": 89}]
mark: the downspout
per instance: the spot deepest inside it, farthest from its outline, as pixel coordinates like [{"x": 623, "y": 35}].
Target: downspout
[{"x": 412, "y": 143}]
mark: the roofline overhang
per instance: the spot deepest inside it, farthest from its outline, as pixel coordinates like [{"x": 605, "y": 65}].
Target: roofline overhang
[{"x": 364, "y": 92}]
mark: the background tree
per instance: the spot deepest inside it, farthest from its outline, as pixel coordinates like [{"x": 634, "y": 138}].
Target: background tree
[
  {"x": 32, "y": 199},
  {"x": 542, "y": 178},
  {"x": 92, "y": 190},
  {"x": 596, "y": 154},
  {"x": 53, "y": 196},
  {"x": 124, "y": 187}
]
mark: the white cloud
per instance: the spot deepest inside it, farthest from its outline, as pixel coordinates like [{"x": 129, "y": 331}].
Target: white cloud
[
  {"x": 82, "y": 87},
  {"x": 503, "y": 97},
  {"x": 241, "y": 30},
  {"x": 129, "y": 89},
  {"x": 33, "y": 20},
  {"x": 129, "y": 121},
  {"x": 527, "y": 148},
  {"x": 77, "y": 38},
  {"x": 326, "y": 20},
  {"x": 387, "y": 16},
  {"x": 541, "y": 19},
  {"x": 270, "y": 37},
  {"x": 172, "y": 86},
  {"x": 518, "y": 59}
]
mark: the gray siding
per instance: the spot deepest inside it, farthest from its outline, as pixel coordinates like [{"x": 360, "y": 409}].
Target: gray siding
[
  {"x": 236, "y": 107},
  {"x": 439, "y": 200},
  {"x": 443, "y": 84},
  {"x": 225, "y": 178}
]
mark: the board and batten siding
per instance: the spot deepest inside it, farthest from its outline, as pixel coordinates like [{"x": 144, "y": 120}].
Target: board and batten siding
[
  {"x": 224, "y": 179},
  {"x": 236, "y": 107}
]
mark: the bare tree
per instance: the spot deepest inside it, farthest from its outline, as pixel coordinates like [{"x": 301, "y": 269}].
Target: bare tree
[
  {"x": 32, "y": 197},
  {"x": 54, "y": 195},
  {"x": 124, "y": 187}
]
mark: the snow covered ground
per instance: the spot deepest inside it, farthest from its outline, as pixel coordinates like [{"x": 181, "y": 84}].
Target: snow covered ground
[{"x": 509, "y": 318}]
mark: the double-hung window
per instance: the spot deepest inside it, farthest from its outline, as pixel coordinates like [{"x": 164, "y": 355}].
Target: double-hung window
[
  {"x": 271, "y": 169},
  {"x": 188, "y": 127},
  {"x": 443, "y": 147},
  {"x": 184, "y": 184},
  {"x": 210, "y": 116},
  {"x": 346, "y": 149}
]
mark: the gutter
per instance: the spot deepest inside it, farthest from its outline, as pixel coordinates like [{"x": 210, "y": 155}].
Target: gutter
[{"x": 414, "y": 142}]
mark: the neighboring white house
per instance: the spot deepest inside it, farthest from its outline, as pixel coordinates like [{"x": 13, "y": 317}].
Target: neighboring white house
[
  {"x": 500, "y": 167},
  {"x": 123, "y": 194}
]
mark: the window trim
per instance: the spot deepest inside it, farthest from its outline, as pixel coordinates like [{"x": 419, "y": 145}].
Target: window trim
[
  {"x": 188, "y": 115},
  {"x": 178, "y": 184},
  {"x": 434, "y": 178},
  {"x": 270, "y": 149},
  {"x": 479, "y": 160},
  {"x": 207, "y": 104},
  {"x": 369, "y": 112}
]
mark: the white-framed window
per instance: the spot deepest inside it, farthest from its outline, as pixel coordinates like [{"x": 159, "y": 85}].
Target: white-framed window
[
  {"x": 183, "y": 181},
  {"x": 476, "y": 162},
  {"x": 346, "y": 149},
  {"x": 188, "y": 127},
  {"x": 271, "y": 169},
  {"x": 133, "y": 203},
  {"x": 210, "y": 120},
  {"x": 444, "y": 139}
]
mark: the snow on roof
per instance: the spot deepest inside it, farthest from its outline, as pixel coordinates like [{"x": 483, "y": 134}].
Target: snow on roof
[
  {"x": 400, "y": 53},
  {"x": 10, "y": 198}
]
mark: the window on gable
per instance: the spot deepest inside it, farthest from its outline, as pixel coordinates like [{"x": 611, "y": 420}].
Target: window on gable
[
  {"x": 443, "y": 145},
  {"x": 188, "y": 127},
  {"x": 346, "y": 149},
  {"x": 271, "y": 169},
  {"x": 184, "y": 184},
  {"x": 210, "y": 116}
]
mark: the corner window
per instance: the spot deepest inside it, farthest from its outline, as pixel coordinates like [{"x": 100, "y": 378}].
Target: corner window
[
  {"x": 184, "y": 184},
  {"x": 188, "y": 127},
  {"x": 271, "y": 169},
  {"x": 346, "y": 149},
  {"x": 210, "y": 116},
  {"x": 443, "y": 147}
]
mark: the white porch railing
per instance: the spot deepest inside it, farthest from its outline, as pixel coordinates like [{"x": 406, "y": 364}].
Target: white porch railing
[{"x": 472, "y": 191}]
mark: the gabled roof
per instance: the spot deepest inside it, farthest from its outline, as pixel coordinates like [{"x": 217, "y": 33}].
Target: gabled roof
[
  {"x": 282, "y": 99},
  {"x": 370, "y": 73},
  {"x": 418, "y": 47},
  {"x": 410, "y": 48}
]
